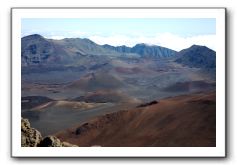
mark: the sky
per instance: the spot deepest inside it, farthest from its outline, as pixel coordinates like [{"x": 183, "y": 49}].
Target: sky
[{"x": 173, "y": 33}]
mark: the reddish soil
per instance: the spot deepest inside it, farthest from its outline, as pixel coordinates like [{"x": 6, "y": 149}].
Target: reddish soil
[{"x": 183, "y": 121}]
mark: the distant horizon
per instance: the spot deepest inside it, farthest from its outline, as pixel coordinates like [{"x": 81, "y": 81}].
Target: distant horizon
[
  {"x": 175, "y": 33},
  {"x": 118, "y": 45}
]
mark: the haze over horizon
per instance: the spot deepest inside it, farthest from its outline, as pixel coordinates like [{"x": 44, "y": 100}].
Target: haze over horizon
[{"x": 172, "y": 33}]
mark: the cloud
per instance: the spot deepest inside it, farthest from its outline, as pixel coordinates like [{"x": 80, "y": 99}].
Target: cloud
[
  {"x": 115, "y": 40},
  {"x": 77, "y": 33},
  {"x": 57, "y": 37},
  {"x": 168, "y": 40}
]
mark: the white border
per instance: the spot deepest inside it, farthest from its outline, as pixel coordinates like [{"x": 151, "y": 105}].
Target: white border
[{"x": 218, "y": 151}]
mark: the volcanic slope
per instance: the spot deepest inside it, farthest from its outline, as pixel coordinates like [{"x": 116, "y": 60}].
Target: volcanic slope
[
  {"x": 197, "y": 56},
  {"x": 182, "y": 121}
]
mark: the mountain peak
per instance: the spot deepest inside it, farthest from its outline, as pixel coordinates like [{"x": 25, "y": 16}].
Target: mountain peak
[
  {"x": 141, "y": 44},
  {"x": 88, "y": 40},
  {"x": 34, "y": 36},
  {"x": 197, "y": 56},
  {"x": 198, "y": 46}
]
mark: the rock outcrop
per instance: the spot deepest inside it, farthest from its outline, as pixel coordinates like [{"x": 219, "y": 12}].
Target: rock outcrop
[
  {"x": 52, "y": 141},
  {"x": 31, "y": 137}
]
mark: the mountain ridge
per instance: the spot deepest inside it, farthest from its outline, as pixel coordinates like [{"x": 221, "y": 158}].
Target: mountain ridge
[
  {"x": 144, "y": 50},
  {"x": 37, "y": 50}
]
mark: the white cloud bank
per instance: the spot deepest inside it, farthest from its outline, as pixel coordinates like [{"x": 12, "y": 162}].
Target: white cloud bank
[{"x": 168, "y": 40}]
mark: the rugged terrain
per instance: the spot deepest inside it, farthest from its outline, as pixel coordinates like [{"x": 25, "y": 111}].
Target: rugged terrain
[
  {"x": 69, "y": 82},
  {"x": 182, "y": 121}
]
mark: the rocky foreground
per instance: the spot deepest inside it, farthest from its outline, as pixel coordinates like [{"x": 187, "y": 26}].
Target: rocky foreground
[{"x": 31, "y": 137}]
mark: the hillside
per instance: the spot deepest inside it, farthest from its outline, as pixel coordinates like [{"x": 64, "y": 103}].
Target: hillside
[
  {"x": 186, "y": 121},
  {"x": 197, "y": 56},
  {"x": 37, "y": 50}
]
